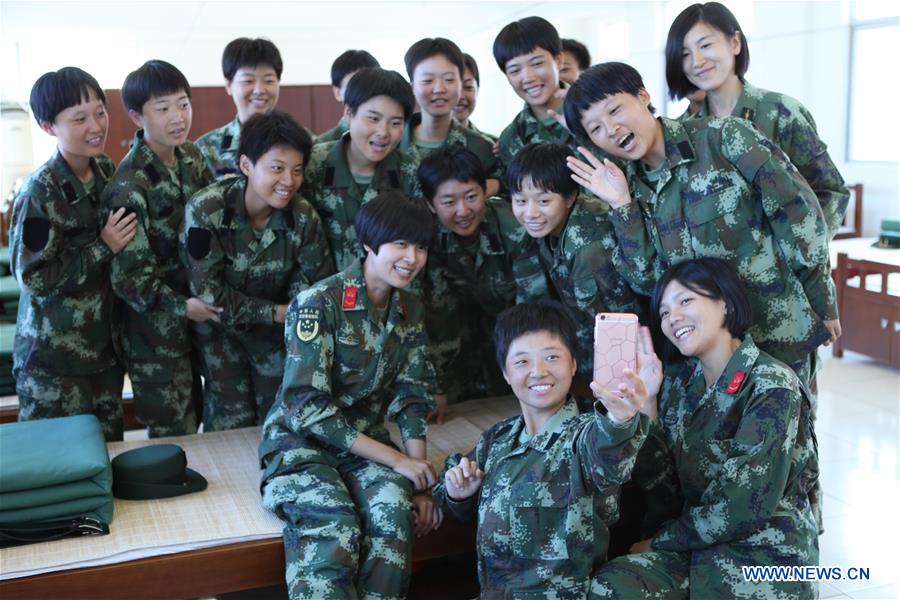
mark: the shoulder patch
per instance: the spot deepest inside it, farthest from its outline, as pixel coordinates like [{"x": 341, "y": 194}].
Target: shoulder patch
[
  {"x": 36, "y": 233},
  {"x": 198, "y": 242},
  {"x": 308, "y": 324}
]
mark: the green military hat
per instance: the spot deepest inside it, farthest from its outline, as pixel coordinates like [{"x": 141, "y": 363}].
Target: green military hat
[{"x": 151, "y": 472}]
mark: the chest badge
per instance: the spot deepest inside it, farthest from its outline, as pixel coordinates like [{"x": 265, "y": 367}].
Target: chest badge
[
  {"x": 307, "y": 324},
  {"x": 736, "y": 382}
]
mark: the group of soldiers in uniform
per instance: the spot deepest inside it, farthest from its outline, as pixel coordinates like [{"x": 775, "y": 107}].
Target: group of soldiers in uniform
[{"x": 282, "y": 270}]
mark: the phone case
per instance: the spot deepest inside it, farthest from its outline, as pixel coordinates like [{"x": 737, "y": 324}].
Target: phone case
[{"x": 615, "y": 347}]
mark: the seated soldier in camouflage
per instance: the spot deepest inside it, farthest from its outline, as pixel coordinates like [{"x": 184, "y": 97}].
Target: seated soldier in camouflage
[
  {"x": 435, "y": 67},
  {"x": 469, "y": 275},
  {"x": 355, "y": 354},
  {"x": 575, "y": 244},
  {"x": 463, "y": 110},
  {"x": 343, "y": 69},
  {"x": 343, "y": 175},
  {"x": 252, "y": 244},
  {"x": 708, "y": 187},
  {"x": 156, "y": 178},
  {"x": 730, "y": 460},
  {"x": 544, "y": 485},
  {"x": 61, "y": 242},
  {"x": 252, "y": 70}
]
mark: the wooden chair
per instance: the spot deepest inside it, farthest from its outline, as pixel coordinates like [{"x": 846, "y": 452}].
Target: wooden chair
[{"x": 852, "y": 228}]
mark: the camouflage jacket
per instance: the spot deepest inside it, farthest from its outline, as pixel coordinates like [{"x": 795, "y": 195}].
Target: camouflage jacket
[
  {"x": 727, "y": 191},
  {"x": 147, "y": 274},
  {"x": 229, "y": 266},
  {"x": 62, "y": 265},
  {"x": 735, "y": 462},
  {"x": 459, "y": 136},
  {"x": 335, "y": 133},
  {"x": 219, "y": 149},
  {"x": 345, "y": 370},
  {"x": 579, "y": 267},
  {"x": 337, "y": 197},
  {"x": 544, "y": 505},
  {"x": 461, "y": 278},
  {"x": 493, "y": 138},
  {"x": 790, "y": 125},
  {"x": 525, "y": 129}
]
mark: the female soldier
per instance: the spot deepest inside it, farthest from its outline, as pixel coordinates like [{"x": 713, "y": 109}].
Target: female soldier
[
  {"x": 707, "y": 50},
  {"x": 252, "y": 244},
  {"x": 732, "y": 449}
]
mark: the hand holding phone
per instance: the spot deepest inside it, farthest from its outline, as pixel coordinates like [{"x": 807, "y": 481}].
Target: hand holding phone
[{"x": 615, "y": 348}]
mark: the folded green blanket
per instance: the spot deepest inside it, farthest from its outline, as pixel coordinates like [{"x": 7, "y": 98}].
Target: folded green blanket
[{"x": 54, "y": 469}]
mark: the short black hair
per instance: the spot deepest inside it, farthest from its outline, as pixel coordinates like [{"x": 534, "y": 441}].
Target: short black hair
[
  {"x": 715, "y": 15},
  {"x": 153, "y": 79},
  {"x": 594, "y": 85},
  {"x": 713, "y": 278},
  {"x": 544, "y": 315},
  {"x": 56, "y": 91},
  {"x": 428, "y": 47},
  {"x": 472, "y": 66},
  {"x": 375, "y": 81},
  {"x": 246, "y": 52},
  {"x": 579, "y": 51},
  {"x": 392, "y": 216},
  {"x": 348, "y": 62},
  {"x": 545, "y": 164},
  {"x": 262, "y": 132},
  {"x": 522, "y": 37},
  {"x": 456, "y": 163}
]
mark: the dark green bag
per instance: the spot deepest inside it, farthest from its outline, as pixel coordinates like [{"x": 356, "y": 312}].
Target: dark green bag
[{"x": 54, "y": 472}]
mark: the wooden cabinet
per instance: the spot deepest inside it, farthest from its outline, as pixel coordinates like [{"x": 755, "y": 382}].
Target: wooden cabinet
[{"x": 313, "y": 106}]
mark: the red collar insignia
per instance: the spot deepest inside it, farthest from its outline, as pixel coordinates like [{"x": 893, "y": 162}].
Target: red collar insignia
[
  {"x": 350, "y": 296},
  {"x": 736, "y": 382}
]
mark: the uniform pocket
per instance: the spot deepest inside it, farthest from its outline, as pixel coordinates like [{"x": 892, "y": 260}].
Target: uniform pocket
[
  {"x": 725, "y": 220},
  {"x": 538, "y": 521}
]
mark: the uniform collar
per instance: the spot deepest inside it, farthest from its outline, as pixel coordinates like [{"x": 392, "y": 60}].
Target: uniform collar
[
  {"x": 747, "y": 105},
  {"x": 544, "y": 440},
  {"x": 456, "y": 134},
  {"x": 530, "y": 125},
  {"x": 354, "y": 297},
  {"x": 738, "y": 368},
  {"x": 678, "y": 147},
  {"x": 234, "y": 203},
  {"x": 489, "y": 242},
  {"x": 382, "y": 180},
  {"x": 73, "y": 187},
  {"x": 146, "y": 156}
]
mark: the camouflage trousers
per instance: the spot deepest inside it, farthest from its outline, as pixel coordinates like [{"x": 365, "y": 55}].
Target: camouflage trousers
[
  {"x": 242, "y": 377},
  {"x": 709, "y": 573},
  {"x": 162, "y": 395},
  {"x": 348, "y": 528},
  {"x": 45, "y": 396}
]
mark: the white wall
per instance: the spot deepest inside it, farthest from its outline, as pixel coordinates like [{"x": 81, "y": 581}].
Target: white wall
[{"x": 799, "y": 48}]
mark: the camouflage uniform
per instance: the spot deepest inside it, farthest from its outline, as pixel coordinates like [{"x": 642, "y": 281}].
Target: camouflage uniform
[
  {"x": 735, "y": 463},
  {"x": 460, "y": 137},
  {"x": 493, "y": 138},
  {"x": 337, "y": 197},
  {"x": 150, "y": 279},
  {"x": 348, "y": 521},
  {"x": 467, "y": 286},
  {"x": 336, "y": 132},
  {"x": 231, "y": 266},
  {"x": 63, "y": 356},
  {"x": 219, "y": 148},
  {"x": 579, "y": 268},
  {"x": 545, "y": 501},
  {"x": 727, "y": 191},
  {"x": 791, "y": 126},
  {"x": 526, "y": 129}
]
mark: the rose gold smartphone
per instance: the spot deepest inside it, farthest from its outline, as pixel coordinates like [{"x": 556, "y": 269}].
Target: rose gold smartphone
[{"x": 615, "y": 348}]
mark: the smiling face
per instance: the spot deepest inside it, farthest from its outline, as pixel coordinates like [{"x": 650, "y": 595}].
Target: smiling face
[
  {"x": 569, "y": 70},
  {"x": 539, "y": 369},
  {"x": 540, "y": 212},
  {"x": 534, "y": 77},
  {"x": 622, "y": 125},
  {"x": 81, "y": 129},
  {"x": 694, "y": 323},
  {"x": 375, "y": 130},
  {"x": 254, "y": 90},
  {"x": 436, "y": 85},
  {"x": 459, "y": 206},
  {"x": 396, "y": 264},
  {"x": 467, "y": 98},
  {"x": 166, "y": 120},
  {"x": 707, "y": 56},
  {"x": 275, "y": 178}
]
